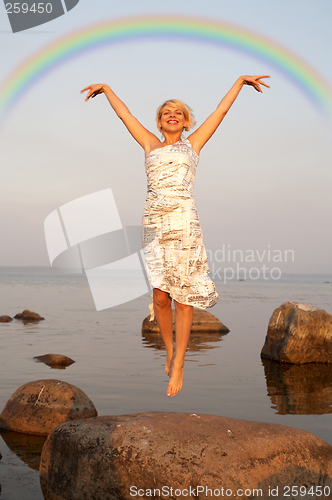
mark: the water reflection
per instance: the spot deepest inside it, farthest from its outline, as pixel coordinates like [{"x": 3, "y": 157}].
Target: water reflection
[
  {"x": 30, "y": 322},
  {"x": 206, "y": 330},
  {"x": 197, "y": 341},
  {"x": 27, "y": 448},
  {"x": 299, "y": 389}
]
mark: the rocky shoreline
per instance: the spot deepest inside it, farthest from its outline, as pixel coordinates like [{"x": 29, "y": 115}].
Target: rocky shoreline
[{"x": 102, "y": 457}]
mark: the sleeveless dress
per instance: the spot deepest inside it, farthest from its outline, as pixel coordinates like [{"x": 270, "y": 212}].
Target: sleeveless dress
[{"x": 171, "y": 233}]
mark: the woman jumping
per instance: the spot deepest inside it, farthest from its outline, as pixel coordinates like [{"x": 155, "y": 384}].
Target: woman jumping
[{"x": 176, "y": 259}]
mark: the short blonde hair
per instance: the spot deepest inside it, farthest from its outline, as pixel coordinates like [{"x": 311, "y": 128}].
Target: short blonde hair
[{"x": 186, "y": 110}]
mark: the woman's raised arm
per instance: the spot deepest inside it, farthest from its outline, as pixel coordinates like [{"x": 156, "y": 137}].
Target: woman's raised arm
[
  {"x": 143, "y": 136},
  {"x": 207, "y": 129}
]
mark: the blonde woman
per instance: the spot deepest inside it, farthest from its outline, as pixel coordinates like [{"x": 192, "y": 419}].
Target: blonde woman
[{"x": 172, "y": 238}]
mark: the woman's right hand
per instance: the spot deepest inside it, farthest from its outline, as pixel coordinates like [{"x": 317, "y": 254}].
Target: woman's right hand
[
  {"x": 139, "y": 133},
  {"x": 94, "y": 90}
]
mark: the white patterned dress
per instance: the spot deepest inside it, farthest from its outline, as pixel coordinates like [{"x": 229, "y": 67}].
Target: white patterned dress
[{"x": 172, "y": 237}]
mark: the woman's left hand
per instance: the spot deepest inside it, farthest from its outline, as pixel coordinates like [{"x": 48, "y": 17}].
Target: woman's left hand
[{"x": 255, "y": 81}]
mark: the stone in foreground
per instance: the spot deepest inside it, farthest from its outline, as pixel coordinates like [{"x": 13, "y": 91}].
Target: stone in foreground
[
  {"x": 28, "y": 316},
  {"x": 38, "y": 407},
  {"x": 203, "y": 321},
  {"x": 299, "y": 333},
  {"x": 55, "y": 360},
  {"x": 110, "y": 458}
]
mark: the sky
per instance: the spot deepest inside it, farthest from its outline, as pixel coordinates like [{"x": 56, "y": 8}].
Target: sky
[{"x": 263, "y": 182}]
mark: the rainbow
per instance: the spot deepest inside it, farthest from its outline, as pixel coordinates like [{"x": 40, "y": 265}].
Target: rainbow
[{"x": 198, "y": 29}]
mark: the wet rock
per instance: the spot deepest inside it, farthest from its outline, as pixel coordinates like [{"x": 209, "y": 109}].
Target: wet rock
[
  {"x": 28, "y": 316},
  {"x": 299, "y": 333},
  {"x": 38, "y": 407},
  {"x": 102, "y": 458},
  {"x": 55, "y": 360},
  {"x": 203, "y": 322},
  {"x": 5, "y": 319}
]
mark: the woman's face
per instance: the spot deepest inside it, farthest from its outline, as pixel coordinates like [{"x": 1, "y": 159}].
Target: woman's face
[{"x": 172, "y": 120}]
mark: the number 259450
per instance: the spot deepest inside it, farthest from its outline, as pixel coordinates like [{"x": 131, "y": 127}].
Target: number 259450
[{"x": 36, "y": 8}]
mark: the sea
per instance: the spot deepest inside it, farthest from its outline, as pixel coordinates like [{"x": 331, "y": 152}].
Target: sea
[{"x": 122, "y": 370}]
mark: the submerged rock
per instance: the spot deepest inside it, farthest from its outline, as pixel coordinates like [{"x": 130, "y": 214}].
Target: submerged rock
[
  {"x": 38, "y": 407},
  {"x": 28, "y": 316},
  {"x": 5, "y": 319},
  {"x": 55, "y": 360},
  {"x": 299, "y": 333},
  {"x": 203, "y": 321},
  {"x": 109, "y": 458}
]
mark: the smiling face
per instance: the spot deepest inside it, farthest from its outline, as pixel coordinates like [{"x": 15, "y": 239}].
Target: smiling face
[
  {"x": 172, "y": 120},
  {"x": 172, "y": 111}
]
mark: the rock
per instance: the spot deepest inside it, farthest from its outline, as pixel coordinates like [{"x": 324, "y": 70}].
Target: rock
[
  {"x": 55, "y": 360},
  {"x": 299, "y": 389},
  {"x": 299, "y": 333},
  {"x": 28, "y": 316},
  {"x": 203, "y": 322},
  {"x": 5, "y": 319},
  {"x": 102, "y": 458},
  {"x": 38, "y": 407}
]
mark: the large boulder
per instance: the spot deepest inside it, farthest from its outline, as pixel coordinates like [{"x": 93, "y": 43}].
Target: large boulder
[
  {"x": 38, "y": 407},
  {"x": 55, "y": 360},
  {"x": 203, "y": 322},
  {"x": 299, "y": 333},
  {"x": 109, "y": 458}
]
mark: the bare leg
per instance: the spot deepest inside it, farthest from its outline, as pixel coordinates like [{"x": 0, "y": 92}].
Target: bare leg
[
  {"x": 162, "y": 303},
  {"x": 183, "y": 322}
]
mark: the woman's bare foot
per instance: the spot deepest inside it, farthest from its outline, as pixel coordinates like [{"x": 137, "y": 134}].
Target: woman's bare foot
[{"x": 175, "y": 384}]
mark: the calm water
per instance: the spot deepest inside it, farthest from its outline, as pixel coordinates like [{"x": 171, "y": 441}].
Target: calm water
[{"x": 122, "y": 371}]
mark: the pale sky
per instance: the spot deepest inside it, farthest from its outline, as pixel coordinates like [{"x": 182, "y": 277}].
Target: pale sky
[{"x": 264, "y": 179}]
